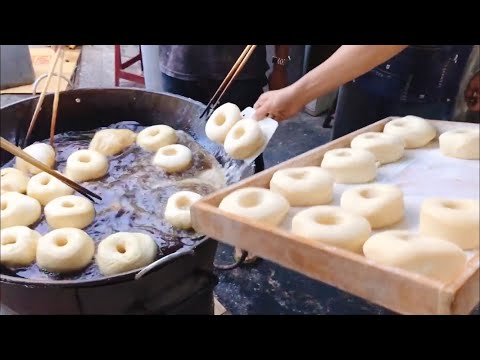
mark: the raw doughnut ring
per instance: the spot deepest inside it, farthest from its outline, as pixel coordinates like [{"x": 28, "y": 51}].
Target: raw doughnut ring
[
  {"x": 125, "y": 251},
  {"x": 387, "y": 148},
  {"x": 65, "y": 250},
  {"x": 154, "y": 137},
  {"x": 44, "y": 187},
  {"x": 303, "y": 186},
  {"x": 461, "y": 144},
  {"x": 221, "y": 121},
  {"x": 69, "y": 211},
  {"x": 244, "y": 139},
  {"x": 85, "y": 165},
  {"x": 13, "y": 180},
  {"x": 177, "y": 211},
  {"x": 40, "y": 151},
  {"x": 332, "y": 225},
  {"x": 173, "y": 158},
  {"x": 19, "y": 210},
  {"x": 454, "y": 220},
  {"x": 112, "y": 141},
  {"x": 350, "y": 166},
  {"x": 415, "y": 131},
  {"x": 18, "y": 246},
  {"x": 256, "y": 203},
  {"x": 428, "y": 256},
  {"x": 381, "y": 204}
]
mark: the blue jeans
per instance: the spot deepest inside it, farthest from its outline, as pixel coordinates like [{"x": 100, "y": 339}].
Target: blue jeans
[{"x": 357, "y": 108}]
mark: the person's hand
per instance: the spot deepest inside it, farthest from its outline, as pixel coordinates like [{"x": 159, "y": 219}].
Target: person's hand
[
  {"x": 278, "y": 104},
  {"x": 278, "y": 78},
  {"x": 472, "y": 93}
]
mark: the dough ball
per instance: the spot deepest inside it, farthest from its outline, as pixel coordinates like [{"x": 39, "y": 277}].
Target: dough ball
[
  {"x": 112, "y": 141},
  {"x": 455, "y": 220},
  {"x": 19, "y": 210},
  {"x": 428, "y": 256},
  {"x": 173, "y": 158},
  {"x": 44, "y": 187},
  {"x": 177, "y": 211},
  {"x": 86, "y": 165},
  {"x": 381, "y": 204},
  {"x": 256, "y": 203},
  {"x": 244, "y": 139},
  {"x": 415, "y": 131},
  {"x": 221, "y": 121},
  {"x": 40, "y": 151},
  {"x": 13, "y": 180},
  {"x": 350, "y": 166},
  {"x": 461, "y": 144},
  {"x": 65, "y": 250},
  {"x": 18, "y": 246},
  {"x": 332, "y": 225},
  {"x": 69, "y": 211},
  {"x": 387, "y": 148},
  {"x": 303, "y": 186},
  {"x": 125, "y": 251},
  {"x": 154, "y": 137}
]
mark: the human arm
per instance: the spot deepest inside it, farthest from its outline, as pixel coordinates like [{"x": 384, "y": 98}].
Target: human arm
[
  {"x": 472, "y": 93},
  {"x": 278, "y": 78}
]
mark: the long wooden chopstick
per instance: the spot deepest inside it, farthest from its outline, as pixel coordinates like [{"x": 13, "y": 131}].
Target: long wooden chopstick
[
  {"x": 16, "y": 151},
  {"x": 56, "y": 98}
]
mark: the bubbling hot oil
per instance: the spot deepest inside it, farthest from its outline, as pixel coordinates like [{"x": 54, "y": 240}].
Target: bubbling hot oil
[{"x": 134, "y": 195}]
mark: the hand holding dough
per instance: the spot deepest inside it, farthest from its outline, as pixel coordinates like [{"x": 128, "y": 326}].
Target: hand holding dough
[
  {"x": 69, "y": 211},
  {"x": 112, "y": 141},
  {"x": 154, "y": 137},
  {"x": 415, "y": 131},
  {"x": 221, "y": 121},
  {"x": 461, "y": 143},
  {"x": 19, "y": 210},
  {"x": 85, "y": 165},
  {"x": 350, "y": 166},
  {"x": 18, "y": 246},
  {"x": 177, "y": 211},
  {"x": 44, "y": 187},
  {"x": 244, "y": 139},
  {"x": 40, "y": 151},
  {"x": 13, "y": 180}
]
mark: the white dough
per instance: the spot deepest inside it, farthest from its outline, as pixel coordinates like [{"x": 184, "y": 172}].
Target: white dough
[
  {"x": 221, "y": 121},
  {"x": 112, "y": 141},
  {"x": 69, "y": 211},
  {"x": 41, "y": 152},
  {"x": 454, "y": 220},
  {"x": 177, "y": 210},
  {"x": 387, "y": 148},
  {"x": 65, "y": 250},
  {"x": 256, "y": 203},
  {"x": 350, "y": 166},
  {"x": 19, "y": 210},
  {"x": 44, "y": 187},
  {"x": 13, "y": 180},
  {"x": 428, "y": 256},
  {"x": 381, "y": 204},
  {"x": 332, "y": 225},
  {"x": 244, "y": 139},
  {"x": 18, "y": 246},
  {"x": 154, "y": 137},
  {"x": 125, "y": 251},
  {"x": 173, "y": 158},
  {"x": 86, "y": 165},
  {"x": 415, "y": 131},
  {"x": 303, "y": 186},
  {"x": 461, "y": 143}
]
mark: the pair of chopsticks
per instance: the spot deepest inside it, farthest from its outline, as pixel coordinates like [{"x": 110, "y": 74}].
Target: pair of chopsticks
[
  {"x": 233, "y": 73},
  {"x": 16, "y": 151},
  {"x": 59, "y": 55}
]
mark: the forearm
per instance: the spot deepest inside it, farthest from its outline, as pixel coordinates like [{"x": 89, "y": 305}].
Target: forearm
[
  {"x": 281, "y": 51},
  {"x": 346, "y": 64}
]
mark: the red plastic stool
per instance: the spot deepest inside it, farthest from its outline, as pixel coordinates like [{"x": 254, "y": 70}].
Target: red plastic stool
[{"x": 120, "y": 67}]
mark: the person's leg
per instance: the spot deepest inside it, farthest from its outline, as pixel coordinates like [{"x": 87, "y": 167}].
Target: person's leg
[{"x": 190, "y": 89}]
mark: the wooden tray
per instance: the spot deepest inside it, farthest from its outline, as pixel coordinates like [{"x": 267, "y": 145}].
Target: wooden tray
[{"x": 422, "y": 172}]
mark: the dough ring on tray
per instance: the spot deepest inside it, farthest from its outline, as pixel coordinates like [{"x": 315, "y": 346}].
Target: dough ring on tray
[
  {"x": 125, "y": 251},
  {"x": 18, "y": 246},
  {"x": 461, "y": 143},
  {"x": 221, "y": 121},
  {"x": 303, "y": 186},
  {"x": 350, "y": 166},
  {"x": 173, "y": 158},
  {"x": 244, "y": 139},
  {"x": 177, "y": 210},
  {"x": 65, "y": 250},
  {"x": 13, "y": 180},
  {"x": 112, "y": 141},
  {"x": 415, "y": 131},
  {"x": 154, "y": 137},
  {"x": 40, "y": 151},
  {"x": 86, "y": 165},
  {"x": 69, "y": 211},
  {"x": 44, "y": 187},
  {"x": 387, "y": 148},
  {"x": 19, "y": 210}
]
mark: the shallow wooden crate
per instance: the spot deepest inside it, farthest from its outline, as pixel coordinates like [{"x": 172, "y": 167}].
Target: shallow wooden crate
[{"x": 393, "y": 288}]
